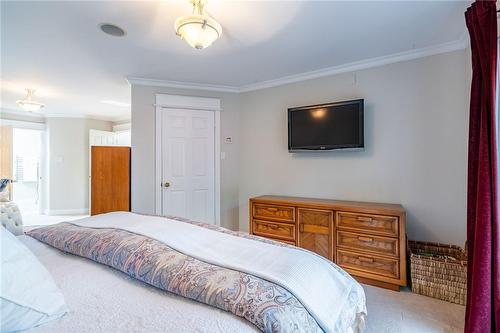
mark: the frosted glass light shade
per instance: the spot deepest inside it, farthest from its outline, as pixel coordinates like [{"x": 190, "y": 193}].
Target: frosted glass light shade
[
  {"x": 28, "y": 104},
  {"x": 199, "y": 31}
]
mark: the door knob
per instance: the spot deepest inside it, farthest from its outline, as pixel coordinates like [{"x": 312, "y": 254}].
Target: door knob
[{"x": 167, "y": 184}]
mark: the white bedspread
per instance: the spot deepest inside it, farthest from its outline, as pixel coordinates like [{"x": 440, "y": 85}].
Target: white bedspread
[
  {"x": 320, "y": 287},
  {"x": 103, "y": 300}
]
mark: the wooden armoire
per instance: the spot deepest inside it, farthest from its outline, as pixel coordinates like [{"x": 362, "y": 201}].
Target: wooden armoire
[{"x": 109, "y": 179}]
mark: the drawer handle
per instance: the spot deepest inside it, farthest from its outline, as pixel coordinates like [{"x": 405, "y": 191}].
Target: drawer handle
[
  {"x": 365, "y": 239},
  {"x": 365, "y": 219},
  {"x": 365, "y": 259},
  {"x": 272, "y": 209},
  {"x": 272, "y": 226}
]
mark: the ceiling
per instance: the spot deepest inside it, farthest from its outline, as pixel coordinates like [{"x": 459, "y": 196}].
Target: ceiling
[{"x": 58, "y": 49}]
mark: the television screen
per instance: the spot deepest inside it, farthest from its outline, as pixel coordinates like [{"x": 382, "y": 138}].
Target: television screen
[{"x": 326, "y": 127}]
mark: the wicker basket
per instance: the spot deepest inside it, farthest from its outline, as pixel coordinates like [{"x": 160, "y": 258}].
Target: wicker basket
[{"x": 439, "y": 271}]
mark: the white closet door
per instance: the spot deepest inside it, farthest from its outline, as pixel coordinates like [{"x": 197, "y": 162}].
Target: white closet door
[
  {"x": 101, "y": 138},
  {"x": 188, "y": 164}
]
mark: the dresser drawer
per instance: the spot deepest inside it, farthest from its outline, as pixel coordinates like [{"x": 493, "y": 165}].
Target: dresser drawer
[
  {"x": 376, "y": 224},
  {"x": 272, "y": 212},
  {"x": 368, "y": 263},
  {"x": 274, "y": 230},
  {"x": 376, "y": 244}
]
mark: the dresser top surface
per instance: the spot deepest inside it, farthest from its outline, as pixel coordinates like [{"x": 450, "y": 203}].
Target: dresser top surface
[{"x": 337, "y": 204}]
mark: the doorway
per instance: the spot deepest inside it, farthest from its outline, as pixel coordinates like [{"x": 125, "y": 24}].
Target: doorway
[
  {"x": 26, "y": 169},
  {"x": 187, "y": 168}
]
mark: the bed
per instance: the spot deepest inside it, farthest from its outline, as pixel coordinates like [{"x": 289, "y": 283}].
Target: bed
[
  {"x": 120, "y": 303},
  {"x": 180, "y": 276}
]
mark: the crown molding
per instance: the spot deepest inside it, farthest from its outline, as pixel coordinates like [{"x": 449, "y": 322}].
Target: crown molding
[
  {"x": 459, "y": 44},
  {"x": 122, "y": 127},
  {"x": 140, "y": 81},
  {"x": 22, "y": 124},
  {"x": 122, "y": 120},
  {"x": 43, "y": 115},
  {"x": 456, "y": 45},
  {"x": 14, "y": 112},
  {"x": 85, "y": 116},
  {"x": 81, "y": 116}
]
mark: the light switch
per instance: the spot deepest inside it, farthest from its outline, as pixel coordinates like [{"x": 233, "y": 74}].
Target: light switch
[{"x": 228, "y": 139}]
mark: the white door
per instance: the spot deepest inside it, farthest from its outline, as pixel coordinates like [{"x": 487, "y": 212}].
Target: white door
[
  {"x": 188, "y": 164},
  {"x": 108, "y": 138},
  {"x": 101, "y": 138}
]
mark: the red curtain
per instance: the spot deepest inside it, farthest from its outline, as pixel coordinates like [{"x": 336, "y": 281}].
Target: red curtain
[{"x": 483, "y": 234}]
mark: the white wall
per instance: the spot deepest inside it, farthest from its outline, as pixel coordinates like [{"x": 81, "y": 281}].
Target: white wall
[
  {"x": 68, "y": 169},
  {"x": 415, "y": 135},
  {"x": 143, "y": 150}
]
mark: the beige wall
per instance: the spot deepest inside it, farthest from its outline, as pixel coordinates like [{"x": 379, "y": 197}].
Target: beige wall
[
  {"x": 143, "y": 150},
  {"x": 68, "y": 169},
  {"x": 415, "y": 137}
]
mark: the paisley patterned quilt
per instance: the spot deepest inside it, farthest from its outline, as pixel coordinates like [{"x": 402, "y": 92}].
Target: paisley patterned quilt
[{"x": 267, "y": 305}]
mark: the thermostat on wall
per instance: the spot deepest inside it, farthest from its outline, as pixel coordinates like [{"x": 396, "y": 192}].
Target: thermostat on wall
[{"x": 228, "y": 139}]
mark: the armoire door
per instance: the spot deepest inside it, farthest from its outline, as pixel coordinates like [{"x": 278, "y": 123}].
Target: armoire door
[
  {"x": 188, "y": 164},
  {"x": 110, "y": 179},
  {"x": 316, "y": 231}
]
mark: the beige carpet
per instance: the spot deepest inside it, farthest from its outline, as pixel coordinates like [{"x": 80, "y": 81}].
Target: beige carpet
[{"x": 405, "y": 312}]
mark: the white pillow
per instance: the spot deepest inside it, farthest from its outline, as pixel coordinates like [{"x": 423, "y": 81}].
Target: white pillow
[{"x": 28, "y": 296}]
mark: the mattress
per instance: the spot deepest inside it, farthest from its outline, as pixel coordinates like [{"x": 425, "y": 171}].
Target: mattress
[{"x": 102, "y": 299}]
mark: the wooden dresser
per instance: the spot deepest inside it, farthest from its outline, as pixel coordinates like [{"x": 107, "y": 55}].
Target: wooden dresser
[{"x": 366, "y": 239}]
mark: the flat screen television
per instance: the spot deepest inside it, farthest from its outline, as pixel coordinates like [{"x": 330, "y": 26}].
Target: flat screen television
[{"x": 326, "y": 127}]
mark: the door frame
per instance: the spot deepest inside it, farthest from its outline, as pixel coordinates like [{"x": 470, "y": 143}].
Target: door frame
[
  {"x": 92, "y": 134},
  {"x": 43, "y": 177},
  {"x": 164, "y": 102}
]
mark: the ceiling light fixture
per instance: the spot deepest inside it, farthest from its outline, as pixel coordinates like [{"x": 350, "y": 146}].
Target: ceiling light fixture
[
  {"x": 199, "y": 30},
  {"x": 116, "y": 103},
  {"x": 28, "y": 104}
]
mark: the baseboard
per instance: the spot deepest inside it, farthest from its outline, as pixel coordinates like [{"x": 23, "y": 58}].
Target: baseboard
[{"x": 80, "y": 211}]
